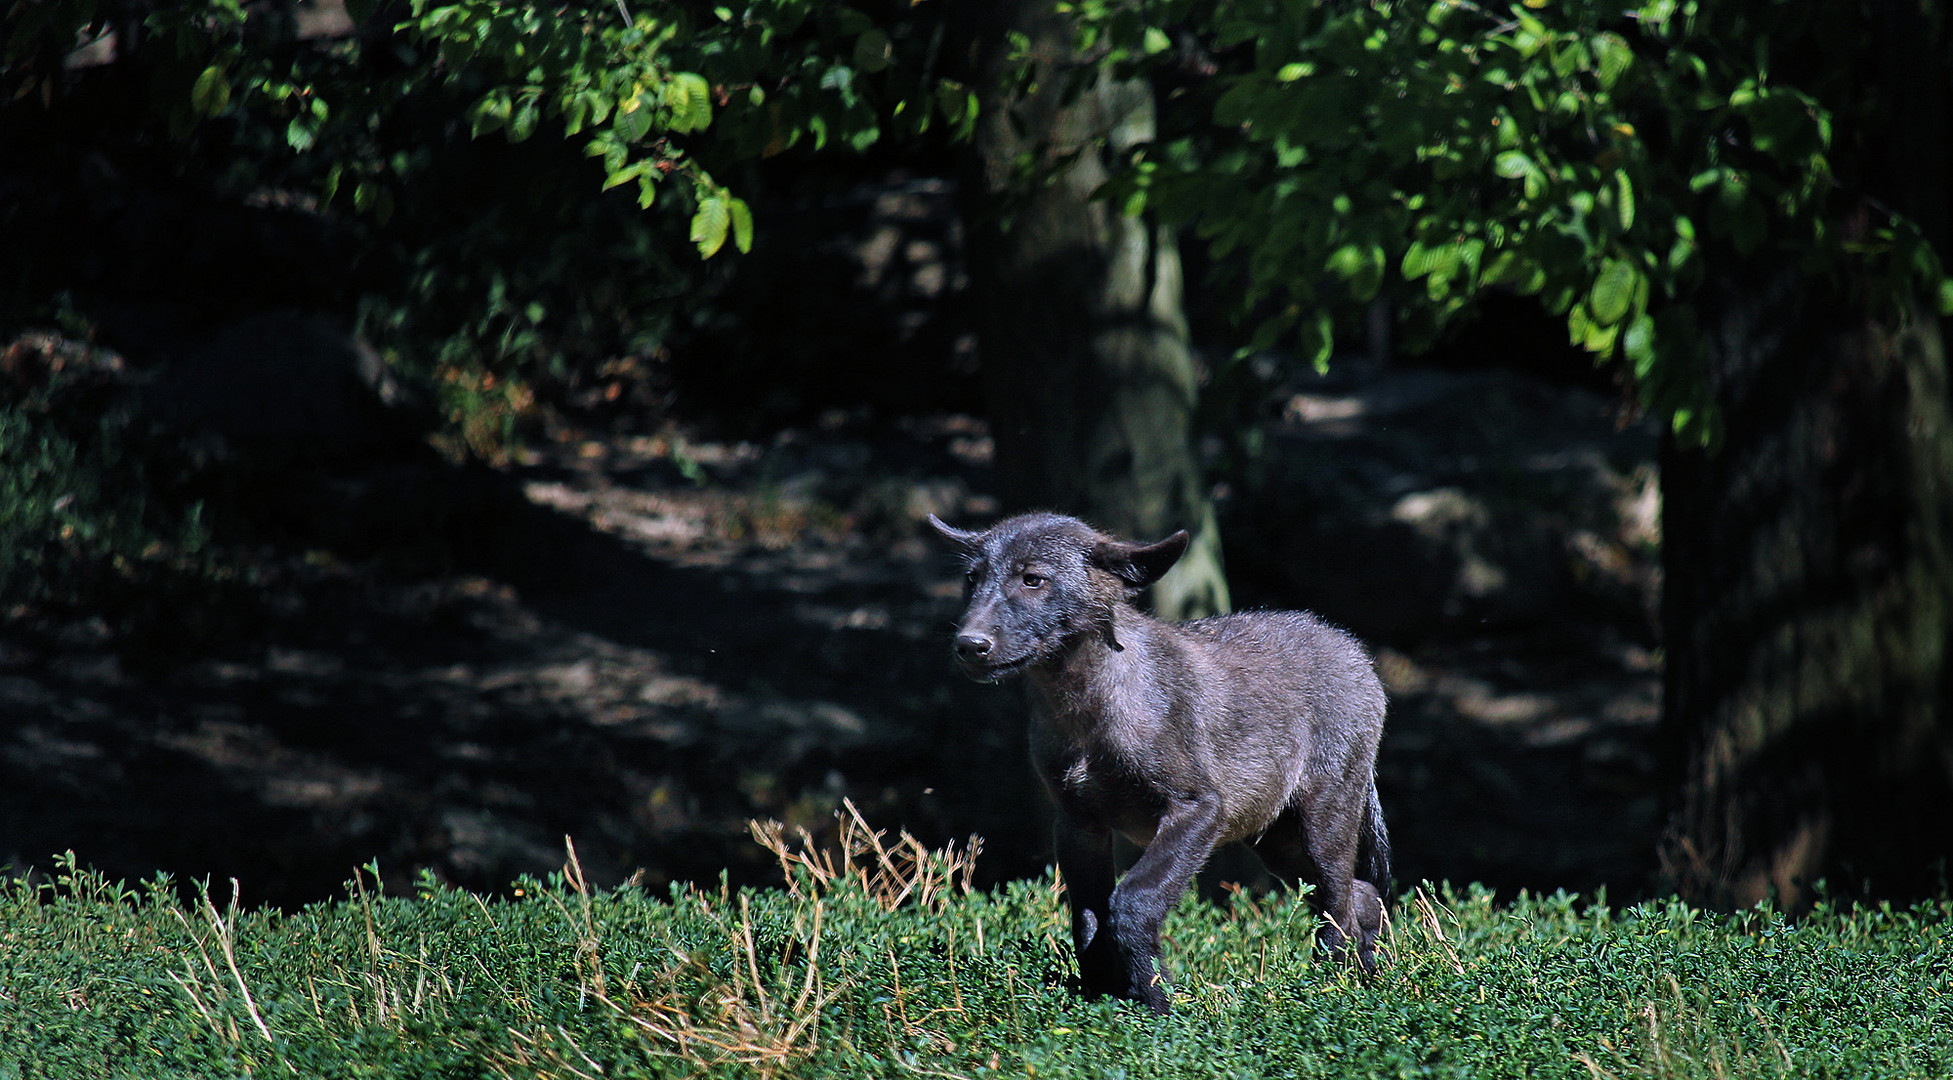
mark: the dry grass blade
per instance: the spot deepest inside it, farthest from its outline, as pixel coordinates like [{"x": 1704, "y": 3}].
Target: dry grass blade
[
  {"x": 545, "y": 1052},
  {"x": 1593, "y": 1069},
  {"x": 736, "y": 1019},
  {"x": 892, "y": 872},
  {"x": 589, "y": 952},
  {"x": 1427, "y": 913},
  {"x": 1682, "y": 1039},
  {"x": 695, "y": 1013},
  {"x": 224, "y": 934}
]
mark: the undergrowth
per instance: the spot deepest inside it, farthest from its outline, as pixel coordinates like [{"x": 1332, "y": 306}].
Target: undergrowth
[
  {"x": 879, "y": 960},
  {"x": 85, "y": 514}
]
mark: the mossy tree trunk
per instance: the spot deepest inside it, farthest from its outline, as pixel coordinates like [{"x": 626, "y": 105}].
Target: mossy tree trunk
[
  {"x": 1809, "y": 559},
  {"x": 1089, "y": 379}
]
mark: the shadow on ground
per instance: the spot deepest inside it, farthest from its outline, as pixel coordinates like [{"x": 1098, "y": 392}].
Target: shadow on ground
[{"x": 618, "y": 653}]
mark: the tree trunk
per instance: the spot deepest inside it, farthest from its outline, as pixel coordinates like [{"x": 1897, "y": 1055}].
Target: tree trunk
[
  {"x": 1808, "y": 593},
  {"x": 1089, "y": 379},
  {"x": 1809, "y": 559}
]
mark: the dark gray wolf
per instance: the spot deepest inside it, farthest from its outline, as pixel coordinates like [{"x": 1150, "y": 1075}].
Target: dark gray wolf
[{"x": 1258, "y": 726}]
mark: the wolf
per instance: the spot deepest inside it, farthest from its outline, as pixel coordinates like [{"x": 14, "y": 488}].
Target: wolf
[{"x": 1256, "y": 726}]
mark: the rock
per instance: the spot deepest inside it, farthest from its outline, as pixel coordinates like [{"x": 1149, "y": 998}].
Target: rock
[{"x": 285, "y": 383}]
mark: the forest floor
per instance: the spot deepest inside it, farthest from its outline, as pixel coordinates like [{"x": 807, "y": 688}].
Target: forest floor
[{"x": 643, "y": 641}]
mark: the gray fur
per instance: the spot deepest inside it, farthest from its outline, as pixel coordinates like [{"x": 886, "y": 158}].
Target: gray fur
[{"x": 1259, "y": 727}]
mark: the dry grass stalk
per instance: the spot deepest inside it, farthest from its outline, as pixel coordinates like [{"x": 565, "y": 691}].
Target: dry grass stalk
[
  {"x": 589, "y": 955},
  {"x": 386, "y": 998},
  {"x": 1427, "y": 912},
  {"x": 690, "y": 1011},
  {"x": 1688, "y": 1042},
  {"x": 738, "y": 1020},
  {"x": 892, "y": 872},
  {"x": 545, "y": 1052},
  {"x": 224, "y": 935}
]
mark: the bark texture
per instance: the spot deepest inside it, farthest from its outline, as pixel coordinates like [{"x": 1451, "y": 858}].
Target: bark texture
[
  {"x": 1808, "y": 602},
  {"x": 1807, "y": 608},
  {"x": 1089, "y": 379}
]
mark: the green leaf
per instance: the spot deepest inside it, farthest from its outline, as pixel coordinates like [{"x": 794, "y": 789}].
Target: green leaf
[
  {"x": 1638, "y": 342},
  {"x": 488, "y": 114},
  {"x": 1612, "y": 57},
  {"x": 709, "y": 225},
  {"x": 1600, "y": 339},
  {"x": 523, "y": 123},
  {"x": 677, "y": 99},
  {"x": 632, "y": 126},
  {"x": 689, "y": 97},
  {"x": 700, "y": 116},
  {"x": 957, "y": 105},
  {"x": 1361, "y": 265},
  {"x": 626, "y": 174},
  {"x": 1318, "y": 340},
  {"x": 1683, "y": 249},
  {"x": 1613, "y": 292},
  {"x": 1945, "y": 296},
  {"x": 839, "y": 78},
  {"x": 864, "y": 137},
  {"x": 1512, "y": 269},
  {"x": 211, "y": 93},
  {"x": 1236, "y": 104},
  {"x": 1512, "y": 164},
  {"x": 1266, "y": 334},
  {"x": 615, "y": 154},
  {"x": 873, "y": 52},
  {"x": 1421, "y": 259},
  {"x": 1624, "y": 199},
  {"x": 1346, "y": 261},
  {"x": 742, "y": 225}
]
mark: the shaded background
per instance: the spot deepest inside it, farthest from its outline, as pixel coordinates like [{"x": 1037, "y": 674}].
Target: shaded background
[{"x": 694, "y": 589}]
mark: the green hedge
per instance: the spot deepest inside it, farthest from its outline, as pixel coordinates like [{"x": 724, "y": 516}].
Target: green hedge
[{"x": 841, "y": 975}]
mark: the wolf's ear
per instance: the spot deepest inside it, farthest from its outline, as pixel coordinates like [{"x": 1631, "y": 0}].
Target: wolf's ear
[
  {"x": 965, "y": 541},
  {"x": 1139, "y": 565}
]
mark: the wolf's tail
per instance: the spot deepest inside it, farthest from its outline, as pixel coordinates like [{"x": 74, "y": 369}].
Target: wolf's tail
[{"x": 1373, "y": 849}]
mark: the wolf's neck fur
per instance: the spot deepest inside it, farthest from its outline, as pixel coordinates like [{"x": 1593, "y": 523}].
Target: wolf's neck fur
[{"x": 1081, "y": 687}]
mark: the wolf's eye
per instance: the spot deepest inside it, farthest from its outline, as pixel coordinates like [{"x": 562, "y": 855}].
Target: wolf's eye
[
  {"x": 972, "y": 574},
  {"x": 1034, "y": 581}
]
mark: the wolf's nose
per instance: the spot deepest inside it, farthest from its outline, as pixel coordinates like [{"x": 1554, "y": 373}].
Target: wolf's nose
[{"x": 970, "y": 646}]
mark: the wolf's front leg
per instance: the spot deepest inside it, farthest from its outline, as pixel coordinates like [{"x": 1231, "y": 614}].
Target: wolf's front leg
[
  {"x": 1180, "y": 847},
  {"x": 1085, "y": 858}
]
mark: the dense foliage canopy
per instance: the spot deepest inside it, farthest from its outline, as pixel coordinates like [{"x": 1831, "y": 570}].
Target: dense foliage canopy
[{"x": 1588, "y": 152}]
